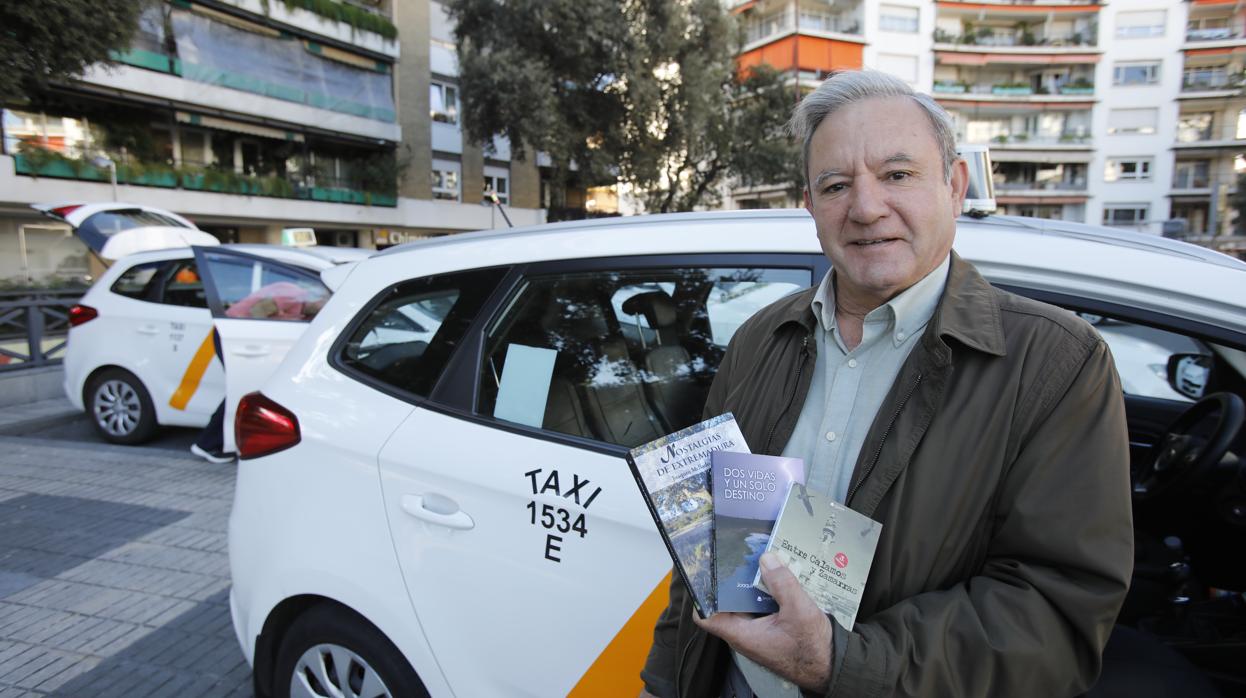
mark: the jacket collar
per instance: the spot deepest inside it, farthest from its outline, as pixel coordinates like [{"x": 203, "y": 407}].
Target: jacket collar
[{"x": 967, "y": 312}]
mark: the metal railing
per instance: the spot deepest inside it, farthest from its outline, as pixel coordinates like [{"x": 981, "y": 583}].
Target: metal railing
[{"x": 34, "y": 326}]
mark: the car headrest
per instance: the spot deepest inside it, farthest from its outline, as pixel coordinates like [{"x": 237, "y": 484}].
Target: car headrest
[{"x": 657, "y": 306}]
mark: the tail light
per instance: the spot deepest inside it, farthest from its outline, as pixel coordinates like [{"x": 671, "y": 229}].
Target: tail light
[
  {"x": 261, "y": 427},
  {"x": 64, "y": 211},
  {"x": 82, "y": 313}
]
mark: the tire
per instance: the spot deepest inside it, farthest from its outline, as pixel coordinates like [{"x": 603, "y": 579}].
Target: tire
[
  {"x": 120, "y": 407},
  {"x": 328, "y": 636}
]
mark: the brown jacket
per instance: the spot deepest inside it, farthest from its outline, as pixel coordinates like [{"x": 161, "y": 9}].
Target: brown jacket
[{"x": 999, "y": 468}]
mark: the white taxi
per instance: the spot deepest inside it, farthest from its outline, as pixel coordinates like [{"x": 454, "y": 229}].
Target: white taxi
[
  {"x": 140, "y": 352},
  {"x": 450, "y": 513}
]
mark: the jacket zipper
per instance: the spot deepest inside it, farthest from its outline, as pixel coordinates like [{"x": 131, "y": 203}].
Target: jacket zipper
[
  {"x": 800, "y": 367},
  {"x": 878, "y": 452}
]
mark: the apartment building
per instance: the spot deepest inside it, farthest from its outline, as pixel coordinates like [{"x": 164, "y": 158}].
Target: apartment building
[
  {"x": 1124, "y": 113},
  {"x": 250, "y": 117}
]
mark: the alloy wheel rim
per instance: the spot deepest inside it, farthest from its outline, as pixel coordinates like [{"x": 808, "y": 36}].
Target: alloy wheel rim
[
  {"x": 332, "y": 671},
  {"x": 117, "y": 407}
]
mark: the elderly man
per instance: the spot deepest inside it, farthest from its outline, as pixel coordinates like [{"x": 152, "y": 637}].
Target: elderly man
[{"x": 985, "y": 431}]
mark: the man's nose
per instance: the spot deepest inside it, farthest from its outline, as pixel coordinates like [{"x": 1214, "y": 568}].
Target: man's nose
[{"x": 869, "y": 200}]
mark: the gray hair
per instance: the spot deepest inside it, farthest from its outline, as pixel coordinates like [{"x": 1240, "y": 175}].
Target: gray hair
[{"x": 849, "y": 86}]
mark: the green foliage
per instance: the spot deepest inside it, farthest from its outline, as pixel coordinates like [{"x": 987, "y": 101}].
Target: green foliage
[
  {"x": 643, "y": 91},
  {"x": 357, "y": 18},
  {"x": 51, "y": 40}
]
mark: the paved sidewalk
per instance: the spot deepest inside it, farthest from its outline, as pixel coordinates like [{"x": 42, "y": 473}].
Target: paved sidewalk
[
  {"x": 114, "y": 577},
  {"x": 20, "y": 419}
]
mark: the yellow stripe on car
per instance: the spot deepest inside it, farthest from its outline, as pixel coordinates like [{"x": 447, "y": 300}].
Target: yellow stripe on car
[
  {"x": 616, "y": 671},
  {"x": 194, "y": 374}
]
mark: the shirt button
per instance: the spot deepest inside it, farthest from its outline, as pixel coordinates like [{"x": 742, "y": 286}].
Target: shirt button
[
  {"x": 852, "y": 363},
  {"x": 830, "y": 436},
  {"x": 900, "y": 336}
]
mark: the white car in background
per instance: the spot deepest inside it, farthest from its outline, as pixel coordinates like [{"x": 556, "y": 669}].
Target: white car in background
[
  {"x": 452, "y": 514},
  {"x": 139, "y": 352}
]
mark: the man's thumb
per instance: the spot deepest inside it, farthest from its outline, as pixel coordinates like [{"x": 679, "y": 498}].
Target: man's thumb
[{"x": 780, "y": 581}]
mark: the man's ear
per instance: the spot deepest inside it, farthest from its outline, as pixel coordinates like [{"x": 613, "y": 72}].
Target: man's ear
[
  {"x": 960, "y": 185},
  {"x": 808, "y": 201}
]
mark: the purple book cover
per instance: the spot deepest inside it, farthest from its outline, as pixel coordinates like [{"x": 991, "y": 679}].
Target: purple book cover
[{"x": 748, "y": 491}]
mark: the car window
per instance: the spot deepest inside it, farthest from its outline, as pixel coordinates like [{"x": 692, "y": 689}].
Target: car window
[
  {"x": 182, "y": 285},
  {"x": 107, "y": 223},
  {"x": 1141, "y": 354},
  {"x": 259, "y": 290},
  {"x": 138, "y": 281},
  {"x": 409, "y": 335},
  {"x": 618, "y": 356}
]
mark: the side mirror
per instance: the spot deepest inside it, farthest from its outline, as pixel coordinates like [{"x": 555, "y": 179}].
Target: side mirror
[{"x": 1188, "y": 373}]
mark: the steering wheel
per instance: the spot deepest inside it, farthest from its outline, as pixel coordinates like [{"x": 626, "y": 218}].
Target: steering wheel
[{"x": 1184, "y": 451}]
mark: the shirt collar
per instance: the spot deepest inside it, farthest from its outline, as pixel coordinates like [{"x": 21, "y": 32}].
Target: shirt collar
[{"x": 908, "y": 312}]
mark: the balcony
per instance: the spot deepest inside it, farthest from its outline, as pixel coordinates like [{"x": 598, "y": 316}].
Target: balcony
[
  {"x": 1027, "y": 4},
  {"x": 1075, "y": 91},
  {"x": 1017, "y": 37},
  {"x": 1217, "y": 34},
  {"x": 1055, "y": 186},
  {"x": 814, "y": 19},
  {"x": 1211, "y": 82}
]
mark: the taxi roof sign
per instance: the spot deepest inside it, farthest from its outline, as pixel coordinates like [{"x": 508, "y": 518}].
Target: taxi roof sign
[{"x": 298, "y": 237}]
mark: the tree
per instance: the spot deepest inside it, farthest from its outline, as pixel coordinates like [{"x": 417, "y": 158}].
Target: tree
[
  {"x": 53, "y": 40},
  {"x": 544, "y": 74},
  {"x": 642, "y": 91}
]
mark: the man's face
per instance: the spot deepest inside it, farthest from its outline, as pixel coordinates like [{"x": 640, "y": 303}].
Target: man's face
[{"x": 884, "y": 212}]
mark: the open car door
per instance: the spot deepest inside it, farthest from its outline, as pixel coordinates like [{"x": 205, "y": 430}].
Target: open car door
[{"x": 260, "y": 308}]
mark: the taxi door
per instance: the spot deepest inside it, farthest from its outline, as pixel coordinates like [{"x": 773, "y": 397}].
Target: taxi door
[
  {"x": 260, "y": 308},
  {"x": 525, "y": 558}
]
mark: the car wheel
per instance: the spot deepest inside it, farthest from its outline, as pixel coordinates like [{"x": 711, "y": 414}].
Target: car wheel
[
  {"x": 330, "y": 652},
  {"x": 120, "y": 407}
]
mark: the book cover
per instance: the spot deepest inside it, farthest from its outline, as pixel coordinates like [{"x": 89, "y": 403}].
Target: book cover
[
  {"x": 672, "y": 473},
  {"x": 829, "y": 548},
  {"x": 748, "y": 493}
]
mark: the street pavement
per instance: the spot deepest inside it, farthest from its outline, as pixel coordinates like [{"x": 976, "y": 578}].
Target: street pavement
[{"x": 114, "y": 575}]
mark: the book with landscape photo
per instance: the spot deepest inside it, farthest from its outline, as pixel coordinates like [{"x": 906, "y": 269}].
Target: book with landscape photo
[
  {"x": 749, "y": 490},
  {"x": 829, "y": 548},
  {"x": 672, "y": 473}
]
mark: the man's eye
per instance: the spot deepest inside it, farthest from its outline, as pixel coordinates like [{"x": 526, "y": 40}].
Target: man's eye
[
  {"x": 898, "y": 176},
  {"x": 835, "y": 188}
]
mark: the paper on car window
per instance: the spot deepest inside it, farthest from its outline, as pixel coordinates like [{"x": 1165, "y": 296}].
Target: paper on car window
[{"x": 524, "y": 387}]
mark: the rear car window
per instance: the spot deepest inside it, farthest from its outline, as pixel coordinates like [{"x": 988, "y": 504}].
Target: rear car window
[
  {"x": 138, "y": 281},
  {"x": 108, "y": 223},
  {"x": 412, "y": 330}
]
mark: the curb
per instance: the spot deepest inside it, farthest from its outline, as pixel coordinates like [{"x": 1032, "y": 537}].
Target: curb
[{"x": 19, "y": 427}]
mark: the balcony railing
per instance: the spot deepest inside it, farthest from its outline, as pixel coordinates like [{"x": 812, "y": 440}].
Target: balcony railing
[
  {"x": 1202, "y": 80},
  {"x": 1036, "y": 185},
  {"x": 202, "y": 179},
  {"x": 1218, "y": 34},
  {"x": 1190, "y": 180},
  {"x": 1012, "y": 89},
  {"x": 1193, "y": 135},
  {"x": 1031, "y": 2},
  {"x": 1012, "y": 39},
  {"x": 1035, "y": 139}
]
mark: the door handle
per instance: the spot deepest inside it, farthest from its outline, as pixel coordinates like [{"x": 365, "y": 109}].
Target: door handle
[
  {"x": 437, "y": 509},
  {"x": 252, "y": 350},
  {"x": 148, "y": 329}
]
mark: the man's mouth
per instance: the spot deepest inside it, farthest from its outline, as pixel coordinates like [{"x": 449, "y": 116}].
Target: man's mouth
[{"x": 869, "y": 243}]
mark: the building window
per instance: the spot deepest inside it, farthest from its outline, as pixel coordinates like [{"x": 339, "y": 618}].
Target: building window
[
  {"x": 498, "y": 184},
  {"x": 1191, "y": 174},
  {"x": 1145, "y": 73},
  {"x": 445, "y": 176},
  {"x": 1128, "y": 170},
  {"x": 1132, "y": 121},
  {"x": 1192, "y": 128},
  {"x": 1126, "y": 214},
  {"x": 903, "y": 67},
  {"x": 1241, "y": 124},
  {"x": 897, "y": 18},
  {"x": 443, "y": 103},
  {"x": 1140, "y": 24}
]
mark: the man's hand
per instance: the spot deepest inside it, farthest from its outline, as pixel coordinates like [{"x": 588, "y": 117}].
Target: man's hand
[{"x": 794, "y": 643}]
